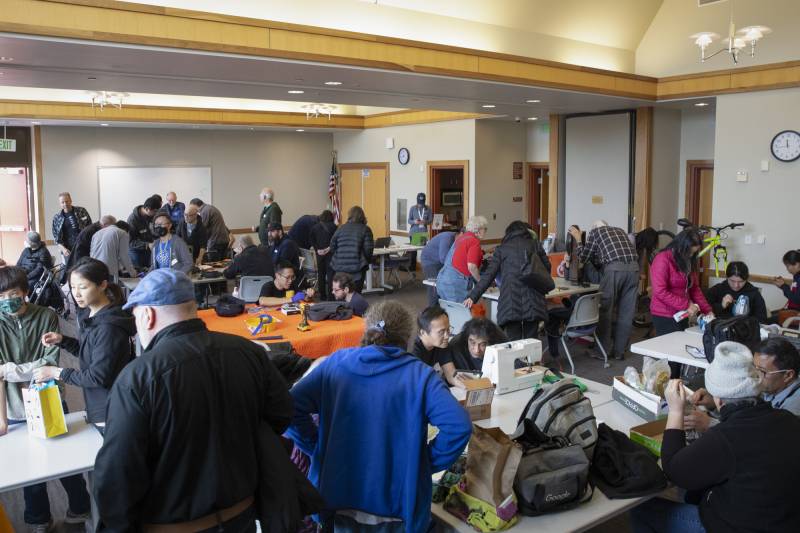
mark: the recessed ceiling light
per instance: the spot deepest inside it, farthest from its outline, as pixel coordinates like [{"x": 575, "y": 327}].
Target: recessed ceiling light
[
  {"x": 35, "y": 123},
  {"x": 300, "y": 131},
  {"x": 104, "y": 124},
  {"x": 701, "y": 104},
  {"x": 488, "y": 106},
  {"x": 6, "y": 58},
  {"x": 532, "y": 101},
  {"x": 295, "y": 91},
  {"x": 533, "y": 118},
  {"x": 333, "y": 83}
]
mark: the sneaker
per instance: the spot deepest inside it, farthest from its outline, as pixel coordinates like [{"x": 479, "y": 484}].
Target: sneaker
[
  {"x": 40, "y": 528},
  {"x": 74, "y": 518}
]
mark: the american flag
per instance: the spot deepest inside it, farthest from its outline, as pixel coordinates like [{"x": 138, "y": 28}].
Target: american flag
[{"x": 333, "y": 193}]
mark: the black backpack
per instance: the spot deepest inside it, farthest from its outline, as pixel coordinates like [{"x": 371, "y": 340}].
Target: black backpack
[
  {"x": 228, "y": 306},
  {"x": 329, "y": 311},
  {"x": 742, "y": 329}
]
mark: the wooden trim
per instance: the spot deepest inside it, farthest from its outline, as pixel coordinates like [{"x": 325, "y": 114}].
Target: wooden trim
[
  {"x": 403, "y": 118},
  {"x": 242, "y": 231},
  {"x": 643, "y": 164},
  {"x": 350, "y": 166},
  {"x": 38, "y": 169},
  {"x": 760, "y": 278},
  {"x": 459, "y": 163},
  {"x": 487, "y": 242},
  {"x": 555, "y": 170},
  {"x": 693, "y": 166},
  {"x": 532, "y": 167},
  {"x": 398, "y": 233}
]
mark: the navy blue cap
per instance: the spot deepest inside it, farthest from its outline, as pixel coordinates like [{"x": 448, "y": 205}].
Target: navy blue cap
[
  {"x": 162, "y": 287},
  {"x": 421, "y": 198}
]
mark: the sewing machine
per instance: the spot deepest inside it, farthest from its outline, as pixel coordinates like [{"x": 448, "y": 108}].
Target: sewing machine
[{"x": 501, "y": 367}]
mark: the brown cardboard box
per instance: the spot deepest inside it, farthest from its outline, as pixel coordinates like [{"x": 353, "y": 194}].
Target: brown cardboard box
[
  {"x": 650, "y": 435},
  {"x": 479, "y": 396}
]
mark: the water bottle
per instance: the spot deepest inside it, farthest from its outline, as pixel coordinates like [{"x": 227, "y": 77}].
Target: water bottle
[{"x": 742, "y": 306}]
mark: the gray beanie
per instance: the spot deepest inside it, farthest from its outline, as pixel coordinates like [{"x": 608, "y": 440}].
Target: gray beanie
[
  {"x": 732, "y": 374},
  {"x": 34, "y": 240}
]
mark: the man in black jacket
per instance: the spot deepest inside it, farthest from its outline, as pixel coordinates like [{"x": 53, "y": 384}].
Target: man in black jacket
[
  {"x": 68, "y": 223},
  {"x": 300, "y": 232},
  {"x": 250, "y": 260},
  {"x": 181, "y": 444},
  {"x": 141, "y": 232}
]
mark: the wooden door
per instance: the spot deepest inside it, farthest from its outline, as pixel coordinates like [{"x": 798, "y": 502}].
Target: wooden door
[
  {"x": 375, "y": 189},
  {"x": 352, "y": 190}
]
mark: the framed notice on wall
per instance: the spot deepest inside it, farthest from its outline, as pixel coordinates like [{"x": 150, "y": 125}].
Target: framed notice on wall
[{"x": 517, "y": 172}]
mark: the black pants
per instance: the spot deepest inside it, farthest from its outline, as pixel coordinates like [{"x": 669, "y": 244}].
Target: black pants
[
  {"x": 430, "y": 272},
  {"x": 139, "y": 257},
  {"x": 323, "y": 280},
  {"x": 665, "y": 325},
  {"x": 217, "y": 253},
  {"x": 522, "y": 329}
]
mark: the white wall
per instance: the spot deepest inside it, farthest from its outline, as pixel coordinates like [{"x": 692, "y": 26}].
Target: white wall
[
  {"x": 440, "y": 141},
  {"x": 296, "y": 165},
  {"x": 667, "y": 50},
  {"x": 538, "y": 144},
  {"x": 767, "y": 203},
  {"x": 665, "y": 175},
  {"x": 697, "y": 142},
  {"x": 498, "y": 144}
]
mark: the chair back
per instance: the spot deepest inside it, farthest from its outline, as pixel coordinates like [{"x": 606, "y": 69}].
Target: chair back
[
  {"x": 586, "y": 311},
  {"x": 250, "y": 287},
  {"x": 457, "y": 313}
]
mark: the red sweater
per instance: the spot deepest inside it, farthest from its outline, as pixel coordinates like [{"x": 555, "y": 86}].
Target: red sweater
[{"x": 671, "y": 291}]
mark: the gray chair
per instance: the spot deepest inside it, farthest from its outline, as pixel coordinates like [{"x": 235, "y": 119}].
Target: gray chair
[
  {"x": 308, "y": 265},
  {"x": 583, "y": 322},
  {"x": 457, "y": 313},
  {"x": 250, "y": 287}
]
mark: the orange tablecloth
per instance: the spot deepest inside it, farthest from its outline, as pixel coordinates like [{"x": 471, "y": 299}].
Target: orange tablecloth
[{"x": 324, "y": 338}]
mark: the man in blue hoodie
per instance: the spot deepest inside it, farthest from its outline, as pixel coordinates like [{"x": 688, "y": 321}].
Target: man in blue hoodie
[{"x": 370, "y": 457}]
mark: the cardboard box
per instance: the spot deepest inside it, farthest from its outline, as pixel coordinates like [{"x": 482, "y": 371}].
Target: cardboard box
[
  {"x": 478, "y": 400},
  {"x": 648, "y": 406},
  {"x": 649, "y": 435}
]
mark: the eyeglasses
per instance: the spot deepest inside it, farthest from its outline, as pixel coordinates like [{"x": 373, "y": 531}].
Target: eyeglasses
[
  {"x": 765, "y": 373},
  {"x": 287, "y": 278},
  {"x": 695, "y": 352},
  {"x": 337, "y": 290}
]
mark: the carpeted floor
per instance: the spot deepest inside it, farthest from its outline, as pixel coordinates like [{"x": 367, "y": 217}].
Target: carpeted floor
[{"x": 414, "y": 296}]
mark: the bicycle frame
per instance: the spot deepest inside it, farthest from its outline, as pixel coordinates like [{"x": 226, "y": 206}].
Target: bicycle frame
[{"x": 720, "y": 252}]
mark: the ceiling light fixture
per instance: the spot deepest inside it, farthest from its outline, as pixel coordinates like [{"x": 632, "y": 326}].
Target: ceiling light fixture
[
  {"x": 733, "y": 43},
  {"x": 34, "y": 123},
  {"x": 104, "y": 124},
  {"x": 488, "y": 106},
  {"x": 533, "y": 118},
  {"x": 315, "y": 110},
  {"x": 701, "y": 104},
  {"x": 6, "y": 58},
  {"x": 333, "y": 83},
  {"x": 532, "y": 101},
  {"x": 102, "y": 99},
  {"x": 295, "y": 91},
  {"x": 299, "y": 131}
]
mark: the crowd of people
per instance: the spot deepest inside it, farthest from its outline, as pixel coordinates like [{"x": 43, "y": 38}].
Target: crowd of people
[{"x": 189, "y": 424}]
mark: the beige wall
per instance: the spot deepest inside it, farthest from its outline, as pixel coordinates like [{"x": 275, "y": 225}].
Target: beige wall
[
  {"x": 242, "y": 162},
  {"x": 697, "y": 142},
  {"x": 667, "y": 50},
  {"x": 538, "y": 143},
  {"x": 498, "y": 144},
  {"x": 439, "y": 141},
  {"x": 666, "y": 174},
  {"x": 767, "y": 203}
]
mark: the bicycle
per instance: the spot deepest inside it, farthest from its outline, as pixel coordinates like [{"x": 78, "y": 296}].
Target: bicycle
[{"x": 713, "y": 243}]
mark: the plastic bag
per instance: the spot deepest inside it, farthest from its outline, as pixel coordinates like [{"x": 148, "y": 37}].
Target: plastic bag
[
  {"x": 633, "y": 378},
  {"x": 656, "y": 374}
]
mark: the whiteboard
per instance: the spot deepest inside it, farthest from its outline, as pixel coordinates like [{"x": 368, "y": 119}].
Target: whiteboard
[
  {"x": 597, "y": 170},
  {"x": 120, "y": 189}
]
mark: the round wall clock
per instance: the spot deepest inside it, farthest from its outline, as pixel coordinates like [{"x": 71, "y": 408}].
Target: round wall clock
[
  {"x": 785, "y": 146},
  {"x": 404, "y": 156}
]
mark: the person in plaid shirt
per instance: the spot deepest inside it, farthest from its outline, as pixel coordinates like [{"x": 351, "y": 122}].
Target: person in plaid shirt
[{"x": 613, "y": 249}]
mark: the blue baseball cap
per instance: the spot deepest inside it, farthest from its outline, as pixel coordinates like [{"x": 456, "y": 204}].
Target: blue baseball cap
[{"x": 162, "y": 287}]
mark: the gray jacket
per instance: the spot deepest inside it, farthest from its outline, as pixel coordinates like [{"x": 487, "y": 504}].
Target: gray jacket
[
  {"x": 215, "y": 227},
  {"x": 110, "y": 245},
  {"x": 422, "y": 213},
  {"x": 180, "y": 256}
]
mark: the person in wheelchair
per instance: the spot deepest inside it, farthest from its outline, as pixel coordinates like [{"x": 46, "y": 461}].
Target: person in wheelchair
[{"x": 35, "y": 259}]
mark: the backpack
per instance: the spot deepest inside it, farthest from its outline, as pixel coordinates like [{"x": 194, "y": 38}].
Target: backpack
[
  {"x": 561, "y": 410},
  {"x": 228, "y": 306},
  {"x": 742, "y": 329},
  {"x": 553, "y": 474},
  {"x": 329, "y": 311},
  {"x": 531, "y": 266}
]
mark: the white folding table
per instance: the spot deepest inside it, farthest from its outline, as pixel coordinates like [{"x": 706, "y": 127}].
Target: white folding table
[
  {"x": 672, "y": 347},
  {"x": 382, "y": 253}
]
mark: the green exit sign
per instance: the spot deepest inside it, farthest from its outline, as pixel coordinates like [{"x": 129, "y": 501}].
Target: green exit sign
[{"x": 8, "y": 145}]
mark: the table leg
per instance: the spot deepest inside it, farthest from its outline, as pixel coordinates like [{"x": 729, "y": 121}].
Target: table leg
[{"x": 368, "y": 286}]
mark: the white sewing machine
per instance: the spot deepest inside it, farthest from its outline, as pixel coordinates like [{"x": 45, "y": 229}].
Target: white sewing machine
[{"x": 499, "y": 365}]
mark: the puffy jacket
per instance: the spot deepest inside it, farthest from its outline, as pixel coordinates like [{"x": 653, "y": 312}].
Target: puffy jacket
[
  {"x": 351, "y": 247},
  {"x": 141, "y": 231},
  {"x": 104, "y": 348},
  {"x": 716, "y": 293},
  {"x": 34, "y": 262},
  {"x": 672, "y": 290},
  {"x": 519, "y": 300},
  {"x": 58, "y": 224}
]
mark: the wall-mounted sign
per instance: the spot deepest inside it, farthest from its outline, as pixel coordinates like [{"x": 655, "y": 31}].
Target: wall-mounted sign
[
  {"x": 517, "y": 198},
  {"x": 517, "y": 173},
  {"x": 364, "y": 172},
  {"x": 8, "y": 145}
]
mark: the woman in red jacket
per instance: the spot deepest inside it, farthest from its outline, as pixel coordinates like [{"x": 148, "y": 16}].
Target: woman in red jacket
[{"x": 676, "y": 286}]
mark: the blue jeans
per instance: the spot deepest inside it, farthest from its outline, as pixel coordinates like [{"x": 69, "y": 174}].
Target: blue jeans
[{"x": 664, "y": 516}]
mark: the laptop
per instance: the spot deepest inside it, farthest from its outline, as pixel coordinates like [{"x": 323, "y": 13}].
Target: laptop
[{"x": 383, "y": 242}]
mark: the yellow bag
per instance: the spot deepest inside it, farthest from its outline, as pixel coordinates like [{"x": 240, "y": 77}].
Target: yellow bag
[{"x": 44, "y": 411}]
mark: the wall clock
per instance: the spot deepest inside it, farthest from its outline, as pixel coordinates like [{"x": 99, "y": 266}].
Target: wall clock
[
  {"x": 404, "y": 156},
  {"x": 786, "y": 146}
]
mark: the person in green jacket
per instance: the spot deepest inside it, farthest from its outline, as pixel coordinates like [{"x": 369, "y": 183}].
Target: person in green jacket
[
  {"x": 22, "y": 325},
  {"x": 271, "y": 213}
]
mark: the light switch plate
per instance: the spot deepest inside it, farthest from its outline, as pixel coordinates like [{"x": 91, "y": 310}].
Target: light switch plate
[
  {"x": 741, "y": 175},
  {"x": 762, "y": 239},
  {"x": 748, "y": 239},
  {"x": 765, "y": 165}
]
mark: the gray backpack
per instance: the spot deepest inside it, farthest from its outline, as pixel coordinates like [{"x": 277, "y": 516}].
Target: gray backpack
[{"x": 561, "y": 410}]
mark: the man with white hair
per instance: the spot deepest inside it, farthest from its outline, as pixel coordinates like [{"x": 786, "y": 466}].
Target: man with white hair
[
  {"x": 174, "y": 208},
  {"x": 270, "y": 214},
  {"x": 189, "y": 422},
  {"x": 462, "y": 266},
  {"x": 610, "y": 247},
  {"x": 110, "y": 245}
]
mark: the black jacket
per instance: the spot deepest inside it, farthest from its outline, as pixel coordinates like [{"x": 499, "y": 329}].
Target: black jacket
[
  {"x": 59, "y": 235},
  {"x": 519, "y": 300},
  {"x": 321, "y": 235},
  {"x": 104, "y": 349},
  {"x": 747, "y": 467},
  {"x": 141, "y": 232},
  {"x": 34, "y": 262},
  {"x": 300, "y": 232},
  {"x": 83, "y": 244},
  {"x": 285, "y": 250},
  {"x": 715, "y": 294},
  {"x": 181, "y": 438},
  {"x": 459, "y": 350},
  {"x": 253, "y": 261},
  {"x": 351, "y": 247},
  {"x": 198, "y": 239}
]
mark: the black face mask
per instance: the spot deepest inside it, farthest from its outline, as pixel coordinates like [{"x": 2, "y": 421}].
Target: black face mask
[{"x": 160, "y": 231}]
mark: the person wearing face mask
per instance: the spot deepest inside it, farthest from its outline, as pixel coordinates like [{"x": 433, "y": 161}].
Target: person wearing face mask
[
  {"x": 270, "y": 214},
  {"x": 35, "y": 258},
  {"x": 22, "y": 325},
  {"x": 141, "y": 234},
  {"x": 183, "y": 433},
  {"x": 104, "y": 343},
  {"x": 169, "y": 251}
]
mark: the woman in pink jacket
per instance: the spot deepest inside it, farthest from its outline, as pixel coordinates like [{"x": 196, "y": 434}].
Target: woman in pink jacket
[{"x": 676, "y": 286}]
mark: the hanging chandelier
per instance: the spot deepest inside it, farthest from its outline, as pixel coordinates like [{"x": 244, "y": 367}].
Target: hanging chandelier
[
  {"x": 103, "y": 99},
  {"x": 734, "y": 43},
  {"x": 315, "y": 110}
]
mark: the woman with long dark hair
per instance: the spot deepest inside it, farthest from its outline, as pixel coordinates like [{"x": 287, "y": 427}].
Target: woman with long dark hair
[
  {"x": 351, "y": 247},
  {"x": 676, "y": 286},
  {"x": 104, "y": 337}
]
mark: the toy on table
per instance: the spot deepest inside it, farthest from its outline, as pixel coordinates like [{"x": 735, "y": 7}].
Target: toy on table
[
  {"x": 260, "y": 324},
  {"x": 303, "y": 325}
]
